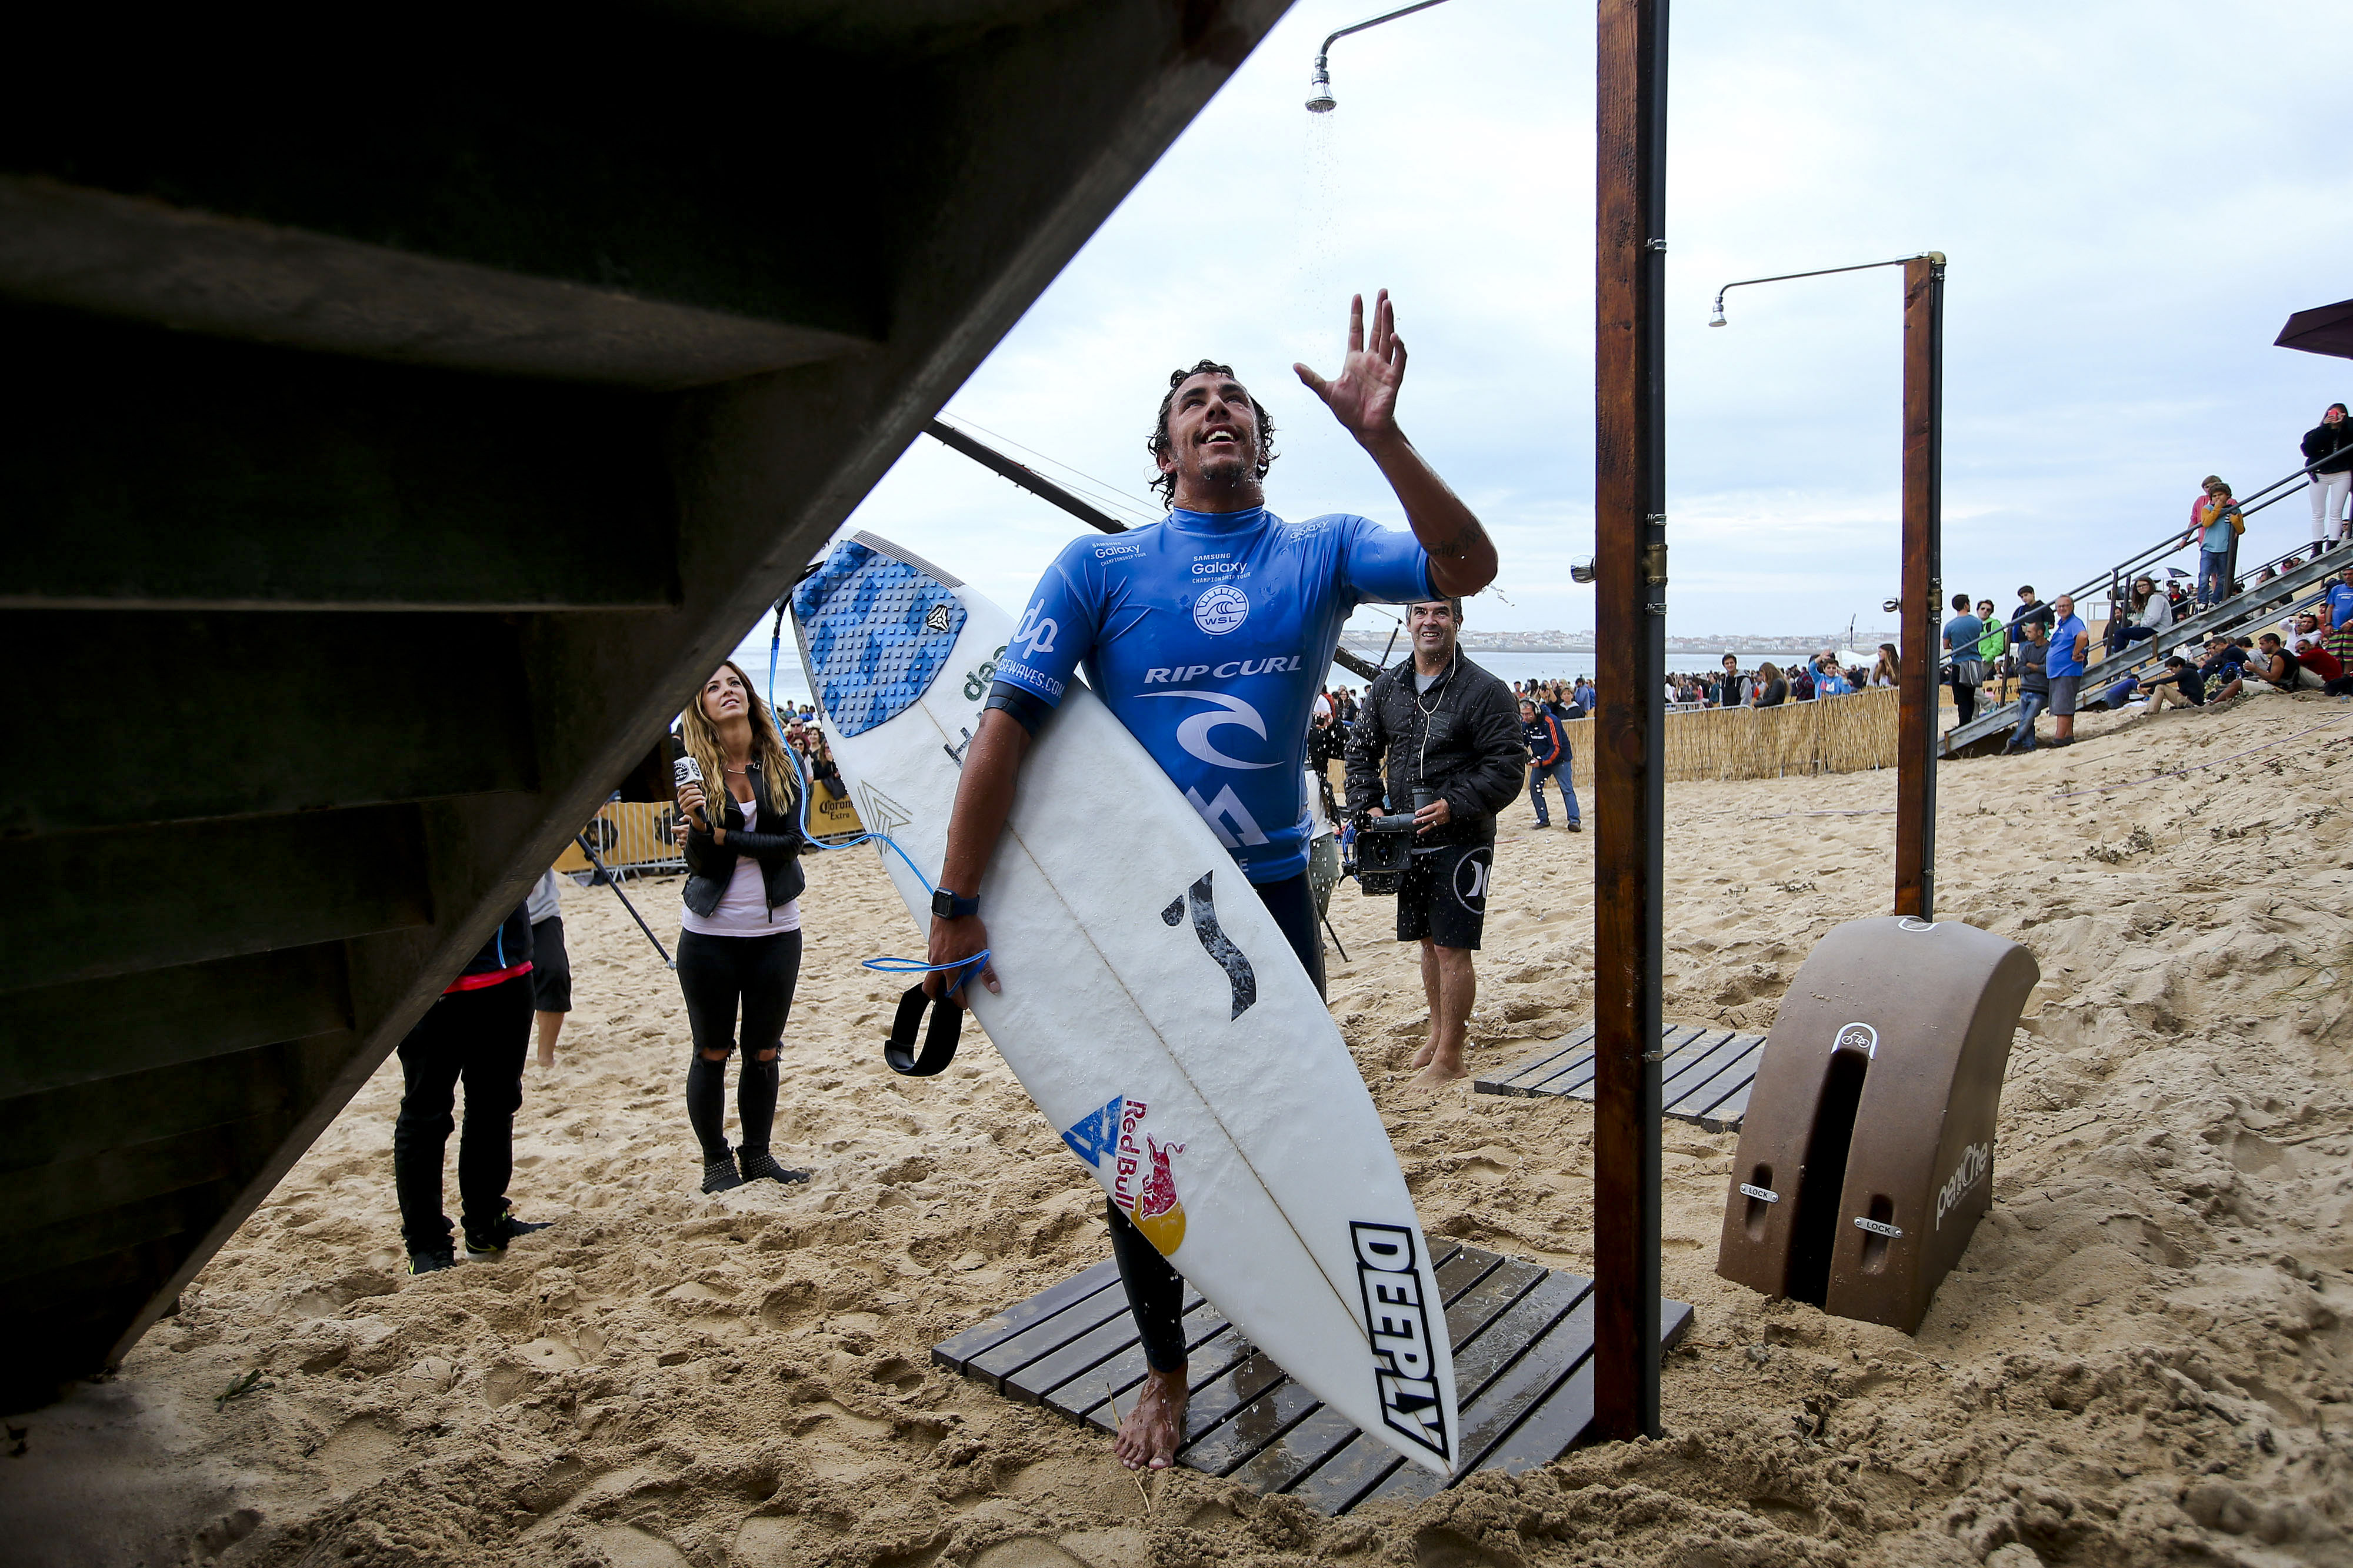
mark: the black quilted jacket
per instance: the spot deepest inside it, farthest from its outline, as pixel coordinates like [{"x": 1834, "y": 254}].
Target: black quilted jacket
[{"x": 1476, "y": 756}]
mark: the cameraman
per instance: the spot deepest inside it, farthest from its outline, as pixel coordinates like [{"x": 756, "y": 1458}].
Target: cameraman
[{"x": 1455, "y": 752}]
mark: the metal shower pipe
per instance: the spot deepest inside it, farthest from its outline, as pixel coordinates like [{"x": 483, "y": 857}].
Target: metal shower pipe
[{"x": 1319, "y": 93}]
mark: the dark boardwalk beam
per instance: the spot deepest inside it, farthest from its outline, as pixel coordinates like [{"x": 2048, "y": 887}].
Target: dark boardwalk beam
[{"x": 1705, "y": 1073}]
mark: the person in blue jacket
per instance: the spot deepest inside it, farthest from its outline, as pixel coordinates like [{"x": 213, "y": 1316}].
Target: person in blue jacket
[
  {"x": 1207, "y": 634},
  {"x": 1548, "y": 758}
]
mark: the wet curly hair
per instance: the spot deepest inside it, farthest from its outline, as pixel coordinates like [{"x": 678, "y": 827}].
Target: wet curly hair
[{"x": 1158, "y": 444}]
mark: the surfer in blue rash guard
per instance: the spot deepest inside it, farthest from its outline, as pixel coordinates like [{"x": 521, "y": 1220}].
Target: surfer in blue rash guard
[{"x": 1209, "y": 635}]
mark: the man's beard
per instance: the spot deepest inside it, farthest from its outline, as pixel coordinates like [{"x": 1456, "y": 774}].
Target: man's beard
[{"x": 1227, "y": 468}]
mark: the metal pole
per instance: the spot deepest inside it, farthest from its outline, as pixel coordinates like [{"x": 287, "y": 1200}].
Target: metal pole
[
  {"x": 615, "y": 883},
  {"x": 1630, "y": 571},
  {"x": 1021, "y": 474},
  {"x": 1917, "y": 740}
]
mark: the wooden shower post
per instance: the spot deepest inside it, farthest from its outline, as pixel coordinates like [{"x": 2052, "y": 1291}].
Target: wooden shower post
[
  {"x": 1631, "y": 573},
  {"x": 1917, "y": 741}
]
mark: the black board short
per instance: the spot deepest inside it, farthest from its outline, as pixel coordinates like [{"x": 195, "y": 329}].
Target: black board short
[
  {"x": 551, "y": 967},
  {"x": 1443, "y": 899}
]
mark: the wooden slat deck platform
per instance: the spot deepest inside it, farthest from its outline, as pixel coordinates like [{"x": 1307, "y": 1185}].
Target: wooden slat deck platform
[
  {"x": 1704, "y": 1076},
  {"x": 1522, "y": 1372}
]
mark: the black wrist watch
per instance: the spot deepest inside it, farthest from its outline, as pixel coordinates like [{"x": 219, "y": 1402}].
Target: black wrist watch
[{"x": 950, "y": 906}]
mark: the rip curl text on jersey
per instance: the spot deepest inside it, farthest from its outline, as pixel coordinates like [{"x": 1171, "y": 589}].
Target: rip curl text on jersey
[{"x": 1209, "y": 635}]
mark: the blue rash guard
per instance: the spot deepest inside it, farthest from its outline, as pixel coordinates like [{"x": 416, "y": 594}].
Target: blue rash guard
[{"x": 1209, "y": 635}]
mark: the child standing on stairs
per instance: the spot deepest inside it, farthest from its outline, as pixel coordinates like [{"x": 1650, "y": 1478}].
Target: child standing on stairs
[{"x": 740, "y": 948}]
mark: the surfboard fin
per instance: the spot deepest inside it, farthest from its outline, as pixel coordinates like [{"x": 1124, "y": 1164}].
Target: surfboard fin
[{"x": 939, "y": 1040}]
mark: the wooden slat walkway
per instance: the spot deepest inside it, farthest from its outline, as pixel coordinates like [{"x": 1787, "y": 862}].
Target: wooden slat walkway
[
  {"x": 1704, "y": 1076},
  {"x": 1523, "y": 1373}
]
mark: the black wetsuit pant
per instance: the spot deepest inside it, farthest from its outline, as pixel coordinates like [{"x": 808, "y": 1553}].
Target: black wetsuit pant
[
  {"x": 717, "y": 975},
  {"x": 481, "y": 1036},
  {"x": 1155, "y": 1292}
]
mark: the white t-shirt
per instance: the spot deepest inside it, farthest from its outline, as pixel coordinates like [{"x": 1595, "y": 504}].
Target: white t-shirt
[{"x": 744, "y": 909}]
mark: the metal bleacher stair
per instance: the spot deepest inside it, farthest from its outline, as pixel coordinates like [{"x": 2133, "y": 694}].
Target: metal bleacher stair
[
  {"x": 406, "y": 412},
  {"x": 2297, "y": 588}
]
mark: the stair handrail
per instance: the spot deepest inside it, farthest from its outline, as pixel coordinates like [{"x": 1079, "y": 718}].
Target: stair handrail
[
  {"x": 2181, "y": 540},
  {"x": 2297, "y": 601}
]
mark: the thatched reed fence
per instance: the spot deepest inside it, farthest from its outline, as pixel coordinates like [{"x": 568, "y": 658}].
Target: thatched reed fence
[{"x": 1829, "y": 735}]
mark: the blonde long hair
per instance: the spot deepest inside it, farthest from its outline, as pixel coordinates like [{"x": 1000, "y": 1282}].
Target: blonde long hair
[{"x": 701, "y": 740}]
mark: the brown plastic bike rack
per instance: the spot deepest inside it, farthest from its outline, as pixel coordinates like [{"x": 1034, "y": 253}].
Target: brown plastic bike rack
[{"x": 1866, "y": 1159}]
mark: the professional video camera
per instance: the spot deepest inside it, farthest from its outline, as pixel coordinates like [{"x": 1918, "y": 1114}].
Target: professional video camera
[{"x": 1385, "y": 849}]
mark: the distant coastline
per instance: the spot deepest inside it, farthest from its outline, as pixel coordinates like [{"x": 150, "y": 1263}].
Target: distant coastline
[{"x": 1582, "y": 642}]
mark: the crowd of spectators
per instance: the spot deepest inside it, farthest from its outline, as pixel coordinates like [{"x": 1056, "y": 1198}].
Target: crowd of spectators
[
  {"x": 2046, "y": 650},
  {"x": 807, "y": 741}
]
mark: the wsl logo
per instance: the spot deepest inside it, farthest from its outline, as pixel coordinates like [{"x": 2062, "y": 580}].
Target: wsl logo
[
  {"x": 1221, "y": 610},
  {"x": 1405, "y": 1357}
]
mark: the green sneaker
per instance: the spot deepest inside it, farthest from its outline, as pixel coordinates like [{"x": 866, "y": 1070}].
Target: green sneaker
[{"x": 486, "y": 1244}]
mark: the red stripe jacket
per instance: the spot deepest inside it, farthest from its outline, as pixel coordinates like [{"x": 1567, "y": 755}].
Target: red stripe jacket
[{"x": 1545, "y": 743}]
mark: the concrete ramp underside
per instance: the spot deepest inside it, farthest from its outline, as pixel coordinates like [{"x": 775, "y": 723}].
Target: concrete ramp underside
[{"x": 408, "y": 413}]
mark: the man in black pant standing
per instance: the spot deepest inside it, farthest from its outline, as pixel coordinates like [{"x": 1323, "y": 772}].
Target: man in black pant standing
[
  {"x": 1455, "y": 752},
  {"x": 479, "y": 1030}
]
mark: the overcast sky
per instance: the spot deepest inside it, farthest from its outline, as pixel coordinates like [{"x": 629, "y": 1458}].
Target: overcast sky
[{"x": 2133, "y": 198}]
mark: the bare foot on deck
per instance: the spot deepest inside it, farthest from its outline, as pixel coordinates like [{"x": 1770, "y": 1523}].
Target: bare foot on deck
[{"x": 1150, "y": 1431}]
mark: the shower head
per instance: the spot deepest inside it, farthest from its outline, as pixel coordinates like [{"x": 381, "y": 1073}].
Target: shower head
[{"x": 1319, "y": 92}]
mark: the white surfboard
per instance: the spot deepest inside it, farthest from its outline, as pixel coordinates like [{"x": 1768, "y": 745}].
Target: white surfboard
[{"x": 1151, "y": 1006}]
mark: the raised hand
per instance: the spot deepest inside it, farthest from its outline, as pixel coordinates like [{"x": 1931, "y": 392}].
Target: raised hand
[{"x": 1362, "y": 396}]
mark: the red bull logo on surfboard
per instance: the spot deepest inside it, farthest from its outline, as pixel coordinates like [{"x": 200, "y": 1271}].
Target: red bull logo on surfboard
[{"x": 1143, "y": 1183}]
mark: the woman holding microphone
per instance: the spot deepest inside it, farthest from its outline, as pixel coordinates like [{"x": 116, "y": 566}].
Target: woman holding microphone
[{"x": 740, "y": 948}]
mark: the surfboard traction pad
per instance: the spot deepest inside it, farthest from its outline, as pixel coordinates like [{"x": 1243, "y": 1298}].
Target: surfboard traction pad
[
  {"x": 1704, "y": 1076},
  {"x": 1523, "y": 1370},
  {"x": 875, "y": 628}
]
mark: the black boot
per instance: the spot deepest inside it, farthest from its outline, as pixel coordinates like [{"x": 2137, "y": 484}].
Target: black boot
[{"x": 758, "y": 1164}]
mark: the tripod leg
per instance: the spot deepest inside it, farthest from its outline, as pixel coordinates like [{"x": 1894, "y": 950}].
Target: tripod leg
[{"x": 609, "y": 880}]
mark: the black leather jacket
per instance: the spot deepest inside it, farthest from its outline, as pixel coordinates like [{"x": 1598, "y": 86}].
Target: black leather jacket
[
  {"x": 1477, "y": 755},
  {"x": 711, "y": 865},
  {"x": 2329, "y": 448}
]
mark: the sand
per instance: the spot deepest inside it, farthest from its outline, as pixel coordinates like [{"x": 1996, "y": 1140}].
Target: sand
[{"x": 2140, "y": 1360}]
